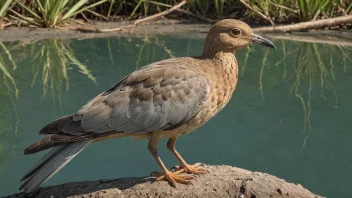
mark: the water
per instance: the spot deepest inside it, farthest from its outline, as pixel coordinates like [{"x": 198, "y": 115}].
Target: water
[{"x": 290, "y": 115}]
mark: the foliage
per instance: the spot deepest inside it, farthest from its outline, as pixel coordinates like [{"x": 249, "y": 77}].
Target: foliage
[
  {"x": 4, "y": 7},
  {"x": 310, "y": 10},
  {"x": 48, "y": 13},
  {"x": 302, "y": 10}
]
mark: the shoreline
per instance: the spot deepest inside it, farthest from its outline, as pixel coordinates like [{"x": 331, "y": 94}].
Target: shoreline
[{"x": 159, "y": 27}]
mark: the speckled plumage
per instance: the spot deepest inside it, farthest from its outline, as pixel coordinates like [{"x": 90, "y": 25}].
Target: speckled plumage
[{"x": 161, "y": 100}]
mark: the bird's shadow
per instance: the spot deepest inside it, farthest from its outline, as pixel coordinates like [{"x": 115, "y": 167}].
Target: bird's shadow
[{"x": 84, "y": 187}]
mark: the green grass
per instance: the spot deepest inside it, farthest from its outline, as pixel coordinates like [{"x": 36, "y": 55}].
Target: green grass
[
  {"x": 311, "y": 10},
  {"x": 47, "y": 13},
  {"x": 5, "y": 5}
]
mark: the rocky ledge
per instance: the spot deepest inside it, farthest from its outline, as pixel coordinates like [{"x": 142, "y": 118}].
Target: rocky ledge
[{"x": 221, "y": 181}]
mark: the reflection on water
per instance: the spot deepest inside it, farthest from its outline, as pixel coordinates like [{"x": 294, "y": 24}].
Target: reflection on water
[
  {"x": 9, "y": 118},
  {"x": 290, "y": 115},
  {"x": 310, "y": 71}
]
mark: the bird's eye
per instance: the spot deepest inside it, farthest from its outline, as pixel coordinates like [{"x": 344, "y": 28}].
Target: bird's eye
[{"x": 235, "y": 32}]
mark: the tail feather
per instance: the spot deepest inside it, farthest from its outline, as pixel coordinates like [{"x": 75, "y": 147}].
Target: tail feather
[
  {"x": 51, "y": 163},
  {"x": 41, "y": 145},
  {"x": 53, "y": 141}
]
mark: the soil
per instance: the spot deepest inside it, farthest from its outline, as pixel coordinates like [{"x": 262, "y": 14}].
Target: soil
[
  {"x": 163, "y": 26},
  {"x": 221, "y": 181},
  {"x": 159, "y": 27}
]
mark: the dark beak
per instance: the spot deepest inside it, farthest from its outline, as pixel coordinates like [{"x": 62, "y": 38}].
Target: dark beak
[{"x": 256, "y": 39}]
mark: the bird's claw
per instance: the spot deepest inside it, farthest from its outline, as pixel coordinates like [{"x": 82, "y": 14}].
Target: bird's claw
[
  {"x": 191, "y": 169},
  {"x": 174, "y": 177}
]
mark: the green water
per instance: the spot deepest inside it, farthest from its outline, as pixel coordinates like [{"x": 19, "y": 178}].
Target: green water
[{"x": 290, "y": 115}]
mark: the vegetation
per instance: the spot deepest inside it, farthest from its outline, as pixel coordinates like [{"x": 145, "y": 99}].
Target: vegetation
[
  {"x": 46, "y": 13},
  {"x": 4, "y": 6}
]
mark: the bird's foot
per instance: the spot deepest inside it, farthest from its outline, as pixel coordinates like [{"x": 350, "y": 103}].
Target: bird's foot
[
  {"x": 174, "y": 177},
  {"x": 190, "y": 169}
]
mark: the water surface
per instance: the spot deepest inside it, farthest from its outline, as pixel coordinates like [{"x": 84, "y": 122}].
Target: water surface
[{"x": 290, "y": 115}]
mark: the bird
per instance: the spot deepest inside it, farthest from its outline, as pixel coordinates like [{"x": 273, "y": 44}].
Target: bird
[{"x": 165, "y": 99}]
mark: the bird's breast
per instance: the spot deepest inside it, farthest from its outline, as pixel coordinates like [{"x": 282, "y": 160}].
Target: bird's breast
[
  {"x": 223, "y": 84},
  {"x": 223, "y": 80},
  {"x": 222, "y": 88}
]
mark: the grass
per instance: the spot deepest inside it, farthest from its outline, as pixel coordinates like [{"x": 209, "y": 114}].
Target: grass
[
  {"x": 5, "y": 5},
  {"x": 46, "y": 13},
  {"x": 311, "y": 10},
  {"x": 299, "y": 10}
]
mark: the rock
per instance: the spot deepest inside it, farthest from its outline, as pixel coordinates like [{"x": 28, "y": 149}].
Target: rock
[{"x": 221, "y": 181}]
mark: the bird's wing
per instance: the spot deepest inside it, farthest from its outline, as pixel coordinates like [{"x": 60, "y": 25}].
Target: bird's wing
[{"x": 155, "y": 97}]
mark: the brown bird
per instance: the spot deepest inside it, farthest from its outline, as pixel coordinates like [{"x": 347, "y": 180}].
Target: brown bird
[{"x": 165, "y": 99}]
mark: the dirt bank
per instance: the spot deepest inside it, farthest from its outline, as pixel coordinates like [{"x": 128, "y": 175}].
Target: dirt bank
[
  {"x": 221, "y": 181},
  {"x": 150, "y": 28},
  {"x": 159, "y": 27}
]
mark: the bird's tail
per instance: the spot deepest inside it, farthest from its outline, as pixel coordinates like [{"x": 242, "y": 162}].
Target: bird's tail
[{"x": 51, "y": 163}]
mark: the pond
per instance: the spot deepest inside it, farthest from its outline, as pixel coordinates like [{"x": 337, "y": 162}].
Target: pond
[{"x": 290, "y": 115}]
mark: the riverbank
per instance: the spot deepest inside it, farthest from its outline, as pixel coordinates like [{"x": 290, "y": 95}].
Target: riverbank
[
  {"x": 160, "y": 27},
  {"x": 221, "y": 181},
  {"x": 164, "y": 26}
]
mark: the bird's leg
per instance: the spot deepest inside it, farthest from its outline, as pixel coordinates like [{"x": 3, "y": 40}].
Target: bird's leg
[
  {"x": 167, "y": 175},
  {"x": 184, "y": 167}
]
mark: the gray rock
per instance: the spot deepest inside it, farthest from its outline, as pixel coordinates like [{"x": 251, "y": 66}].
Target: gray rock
[{"x": 221, "y": 181}]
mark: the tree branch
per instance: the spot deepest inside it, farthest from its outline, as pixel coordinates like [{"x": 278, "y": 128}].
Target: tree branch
[
  {"x": 307, "y": 25},
  {"x": 161, "y": 14}
]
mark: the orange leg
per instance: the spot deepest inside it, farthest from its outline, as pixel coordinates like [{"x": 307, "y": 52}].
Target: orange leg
[
  {"x": 172, "y": 177},
  {"x": 184, "y": 167}
]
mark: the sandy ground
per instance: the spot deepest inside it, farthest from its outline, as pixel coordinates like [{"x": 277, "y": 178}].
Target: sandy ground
[{"x": 151, "y": 28}]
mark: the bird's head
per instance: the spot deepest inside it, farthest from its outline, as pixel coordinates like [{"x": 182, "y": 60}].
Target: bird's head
[{"x": 229, "y": 35}]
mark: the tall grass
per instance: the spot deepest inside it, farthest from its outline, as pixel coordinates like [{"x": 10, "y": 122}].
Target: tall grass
[
  {"x": 47, "y": 13},
  {"x": 299, "y": 10},
  {"x": 310, "y": 10},
  {"x": 4, "y": 7}
]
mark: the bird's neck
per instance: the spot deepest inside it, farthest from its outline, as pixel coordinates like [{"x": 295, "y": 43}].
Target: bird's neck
[
  {"x": 213, "y": 53},
  {"x": 226, "y": 59},
  {"x": 224, "y": 56}
]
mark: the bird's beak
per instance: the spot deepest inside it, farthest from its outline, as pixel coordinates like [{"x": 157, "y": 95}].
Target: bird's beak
[{"x": 256, "y": 39}]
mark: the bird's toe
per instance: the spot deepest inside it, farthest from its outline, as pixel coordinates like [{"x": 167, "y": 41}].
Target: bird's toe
[
  {"x": 191, "y": 169},
  {"x": 174, "y": 177}
]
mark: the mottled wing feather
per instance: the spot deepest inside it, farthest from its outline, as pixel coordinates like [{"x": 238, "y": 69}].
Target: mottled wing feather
[
  {"x": 163, "y": 95},
  {"x": 152, "y": 98}
]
